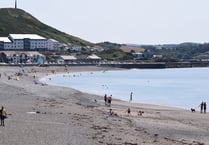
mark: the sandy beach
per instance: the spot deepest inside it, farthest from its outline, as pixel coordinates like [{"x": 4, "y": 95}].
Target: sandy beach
[{"x": 40, "y": 114}]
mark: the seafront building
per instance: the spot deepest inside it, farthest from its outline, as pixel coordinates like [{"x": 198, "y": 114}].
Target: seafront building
[
  {"x": 23, "y": 42},
  {"x": 53, "y": 45},
  {"x": 5, "y": 43},
  {"x": 16, "y": 57},
  {"x": 28, "y": 42}
]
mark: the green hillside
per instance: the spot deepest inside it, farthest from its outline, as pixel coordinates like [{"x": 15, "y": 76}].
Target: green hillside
[{"x": 17, "y": 21}]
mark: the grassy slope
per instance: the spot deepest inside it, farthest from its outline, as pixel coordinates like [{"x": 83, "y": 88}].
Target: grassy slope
[
  {"x": 18, "y": 21},
  {"x": 127, "y": 48}
]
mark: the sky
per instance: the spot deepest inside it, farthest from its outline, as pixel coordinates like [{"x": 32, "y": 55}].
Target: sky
[{"x": 124, "y": 21}]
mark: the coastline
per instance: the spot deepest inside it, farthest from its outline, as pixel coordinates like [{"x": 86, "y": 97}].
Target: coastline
[{"x": 67, "y": 116}]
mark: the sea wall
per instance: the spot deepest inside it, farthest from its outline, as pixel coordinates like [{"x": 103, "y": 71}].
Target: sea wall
[
  {"x": 186, "y": 64},
  {"x": 136, "y": 65},
  {"x": 151, "y": 65},
  {"x": 158, "y": 65}
]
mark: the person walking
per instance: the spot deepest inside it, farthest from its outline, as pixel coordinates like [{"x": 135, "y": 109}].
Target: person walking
[
  {"x": 3, "y": 115},
  {"x": 204, "y": 107},
  {"x": 201, "y": 107}
]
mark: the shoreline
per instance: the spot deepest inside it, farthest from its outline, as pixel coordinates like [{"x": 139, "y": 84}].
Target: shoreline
[
  {"x": 67, "y": 116},
  {"x": 64, "y": 75}
]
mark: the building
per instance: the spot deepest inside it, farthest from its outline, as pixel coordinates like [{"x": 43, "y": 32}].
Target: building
[
  {"x": 23, "y": 42},
  {"x": 138, "y": 55},
  {"x": 94, "y": 59},
  {"x": 157, "y": 56},
  {"x": 16, "y": 57},
  {"x": 5, "y": 43},
  {"x": 74, "y": 48},
  {"x": 28, "y": 42},
  {"x": 53, "y": 45},
  {"x": 66, "y": 59}
]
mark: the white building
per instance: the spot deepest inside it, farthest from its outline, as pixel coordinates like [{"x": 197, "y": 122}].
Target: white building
[
  {"x": 93, "y": 59},
  {"x": 23, "y": 42},
  {"x": 5, "y": 43},
  {"x": 157, "y": 56},
  {"x": 138, "y": 55},
  {"x": 66, "y": 59},
  {"x": 53, "y": 45},
  {"x": 28, "y": 41}
]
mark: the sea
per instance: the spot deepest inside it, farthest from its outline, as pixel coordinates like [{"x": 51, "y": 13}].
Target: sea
[{"x": 177, "y": 87}]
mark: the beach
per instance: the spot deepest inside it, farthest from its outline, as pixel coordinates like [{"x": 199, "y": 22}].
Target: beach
[{"x": 40, "y": 114}]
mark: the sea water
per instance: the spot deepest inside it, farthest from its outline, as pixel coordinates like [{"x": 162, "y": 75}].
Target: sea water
[{"x": 177, "y": 87}]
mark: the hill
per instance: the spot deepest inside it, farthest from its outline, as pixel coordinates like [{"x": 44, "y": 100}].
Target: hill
[{"x": 20, "y": 22}]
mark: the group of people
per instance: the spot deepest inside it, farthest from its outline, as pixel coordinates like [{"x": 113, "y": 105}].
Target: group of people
[
  {"x": 108, "y": 100},
  {"x": 203, "y": 107}
]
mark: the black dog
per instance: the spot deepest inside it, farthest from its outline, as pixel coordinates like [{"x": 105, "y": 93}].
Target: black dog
[{"x": 193, "y": 110}]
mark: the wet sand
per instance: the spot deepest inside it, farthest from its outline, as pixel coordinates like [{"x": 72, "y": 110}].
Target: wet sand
[{"x": 40, "y": 114}]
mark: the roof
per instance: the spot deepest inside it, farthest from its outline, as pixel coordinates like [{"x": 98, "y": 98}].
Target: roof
[
  {"x": 4, "y": 39},
  {"x": 24, "y": 36},
  {"x": 93, "y": 56},
  {"x": 137, "y": 53},
  {"x": 68, "y": 57},
  {"x": 53, "y": 40}
]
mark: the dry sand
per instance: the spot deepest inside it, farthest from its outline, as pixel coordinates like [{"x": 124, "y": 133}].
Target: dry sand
[{"x": 40, "y": 114}]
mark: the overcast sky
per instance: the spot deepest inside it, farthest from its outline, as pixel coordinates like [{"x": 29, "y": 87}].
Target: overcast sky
[{"x": 124, "y": 21}]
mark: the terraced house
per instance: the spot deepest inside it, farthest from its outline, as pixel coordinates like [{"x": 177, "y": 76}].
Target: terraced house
[{"x": 16, "y": 57}]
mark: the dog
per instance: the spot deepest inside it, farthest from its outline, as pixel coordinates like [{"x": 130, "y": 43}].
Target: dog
[{"x": 192, "y": 109}]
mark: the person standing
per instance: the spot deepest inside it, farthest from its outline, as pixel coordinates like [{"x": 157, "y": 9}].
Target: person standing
[
  {"x": 129, "y": 111},
  {"x": 3, "y": 115},
  {"x": 109, "y": 100},
  {"x": 105, "y": 99},
  {"x": 131, "y": 97},
  {"x": 201, "y": 107}
]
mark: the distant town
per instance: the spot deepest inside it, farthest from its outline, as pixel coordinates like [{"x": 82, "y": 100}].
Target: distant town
[
  {"x": 33, "y": 49},
  {"x": 27, "y": 48}
]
